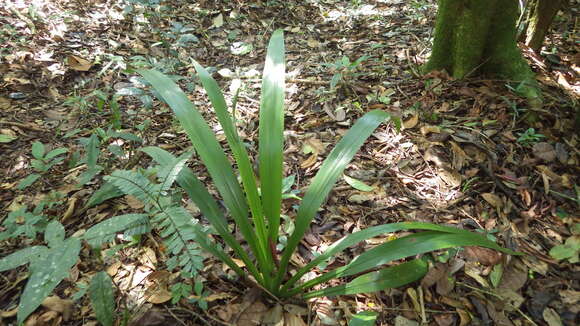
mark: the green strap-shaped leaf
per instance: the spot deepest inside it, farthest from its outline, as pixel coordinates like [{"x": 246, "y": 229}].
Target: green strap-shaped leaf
[
  {"x": 354, "y": 238},
  {"x": 408, "y": 246},
  {"x": 102, "y": 298},
  {"x": 326, "y": 177},
  {"x": 21, "y": 257},
  {"x": 391, "y": 277},
  {"x": 238, "y": 149},
  {"x": 46, "y": 273},
  {"x": 271, "y": 132},
  {"x": 207, "y": 205},
  {"x": 207, "y": 146}
]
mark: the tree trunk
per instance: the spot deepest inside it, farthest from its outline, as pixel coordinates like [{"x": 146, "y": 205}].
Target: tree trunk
[
  {"x": 478, "y": 37},
  {"x": 541, "y": 15}
]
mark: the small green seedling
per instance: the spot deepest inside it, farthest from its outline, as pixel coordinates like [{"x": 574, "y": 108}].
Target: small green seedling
[
  {"x": 529, "y": 137},
  {"x": 42, "y": 162}
]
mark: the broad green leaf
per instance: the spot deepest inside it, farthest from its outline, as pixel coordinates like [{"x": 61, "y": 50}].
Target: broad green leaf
[
  {"x": 238, "y": 149},
  {"x": 357, "y": 184},
  {"x": 371, "y": 232},
  {"x": 54, "y": 233},
  {"x": 326, "y": 177},
  {"x": 93, "y": 152},
  {"x": 208, "y": 148},
  {"x": 363, "y": 318},
  {"x": 391, "y": 277},
  {"x": 46, "y": 273},
  {"x": 21, "y": 257},
  {"x": 38, "y": 150},
  {"x": 107, "y": 191},
  {"x": 407, "y": 246},
  {"x": 26, "y": 182},
  {"x": 55, "y": 152},
  {"x": 102, "y": 298},
  {"x": 271, "y": 132}
]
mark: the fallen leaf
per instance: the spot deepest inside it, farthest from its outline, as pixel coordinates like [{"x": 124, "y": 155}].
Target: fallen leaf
[
  {"x": 411, "y": 122},
  {"x": 78, "y": 63},
  {"x": 253, "y": 315},
  {"x": 551, "y": 317},
  {"x": 402, "y": 321},
  {"x": 56, "y": 304},
  {"x": 293, "y": 320},
  {"x": 484, "y": 256},
  {"x": 274, "y": 316},
  {"x": 544, "y": 151},
  {"x": 493, "y": 199},
  {"x": 445, "y": 319}
]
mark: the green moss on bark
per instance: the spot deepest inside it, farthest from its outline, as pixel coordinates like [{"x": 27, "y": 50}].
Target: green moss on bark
[{"x": 474, "y": 36}]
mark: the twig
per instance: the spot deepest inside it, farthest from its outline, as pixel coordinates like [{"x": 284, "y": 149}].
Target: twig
[
  {"x": 203, "y": 319},
  {"x": 176, "y": 318}
]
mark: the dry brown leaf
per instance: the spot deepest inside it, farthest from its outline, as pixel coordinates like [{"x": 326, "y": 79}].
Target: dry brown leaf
[
  {"x": 493, "y": 199},
  {"x": 134, "y": 202},
  {"x": 451, "y": 177},
  {"x": 5, "y": 103},
  {"x": 56, "y": 304},
  {"x": 274, "y": 316},
  {"x": 551, "y": 317},
  {"x": 253, "y": 315},
  {"x": 9, "y": 313},
  {"x": 293, "y": 320},
  {"x": 433, "y": 275},
  {"x": 445, "y": 319},
  {"x": 411, "y": 122},
  {"x": 157, "y": 291},
  {"x": 309, "y": 161},
  {"x": 484, "y": 256},
  {"x": 78, "y": 63},
  {"x": 570, "y": 297},
  {"x": 514, "y": 276},
  {"x": 544, "y": 151},
  {"x": 425, "y": 130},
  {"x": 459, "y": 156},
  {"x": 464, "y": 316},
  {"x": 113, "y": 269}
]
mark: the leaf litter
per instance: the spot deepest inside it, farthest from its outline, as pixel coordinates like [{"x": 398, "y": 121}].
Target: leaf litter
[{"x": 465, "y": 156}]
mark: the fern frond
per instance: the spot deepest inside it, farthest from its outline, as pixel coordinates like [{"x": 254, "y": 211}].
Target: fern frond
[
  {"x": 106, "y": 230},
  {"x": 177, "y": 227},
  {"x": 168, "y": 174},
  {"x": 135, "y": 184}
]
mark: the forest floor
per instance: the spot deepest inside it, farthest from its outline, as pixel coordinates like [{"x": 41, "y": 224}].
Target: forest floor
[{"x": 470, "y": 154}]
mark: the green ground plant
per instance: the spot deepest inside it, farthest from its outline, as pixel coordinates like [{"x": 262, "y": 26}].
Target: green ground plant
[
  {"x": 255, "y": 206},
  {"x": 42, "y": 162}
]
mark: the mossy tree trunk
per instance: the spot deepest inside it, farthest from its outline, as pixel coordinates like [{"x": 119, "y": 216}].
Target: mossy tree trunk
[
  {"x": 478, "y": 37},
  {"x": 541, "y": 13}
]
